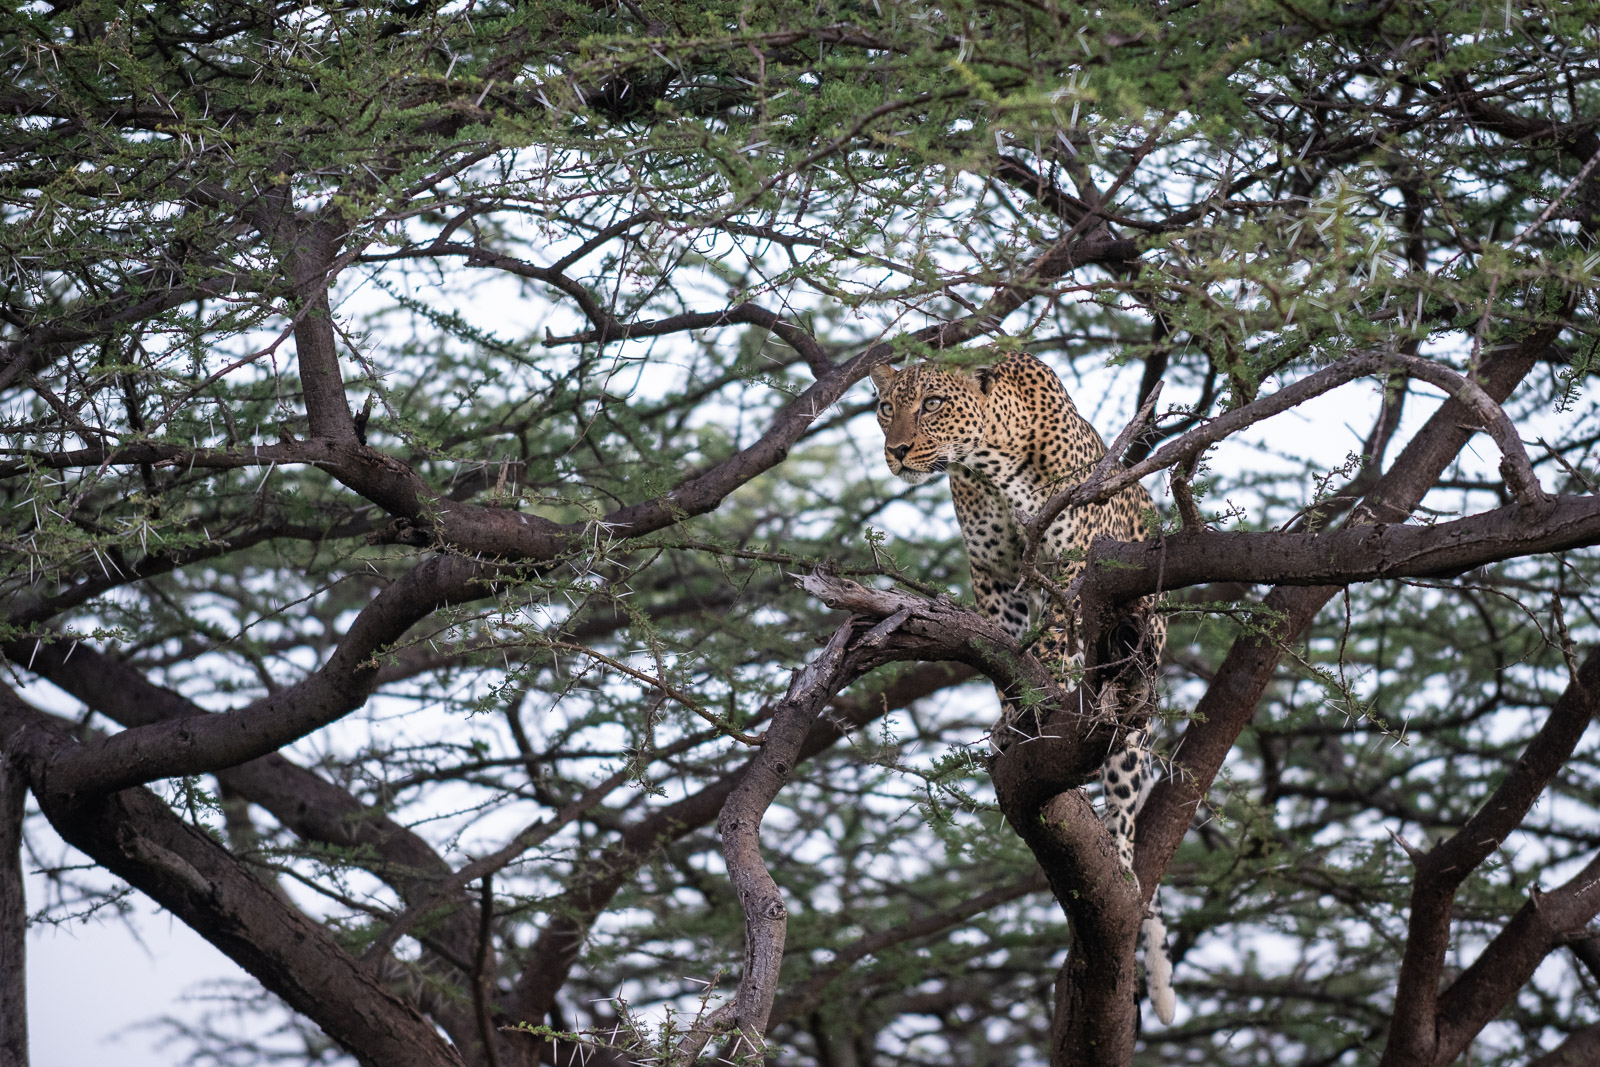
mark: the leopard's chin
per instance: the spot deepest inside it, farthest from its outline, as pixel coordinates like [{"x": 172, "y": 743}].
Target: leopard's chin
[{"x": 916, "y": 477}]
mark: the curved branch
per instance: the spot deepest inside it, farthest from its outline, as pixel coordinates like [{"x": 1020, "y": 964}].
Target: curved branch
[
  {"x": 1230, "y": 700},
  {"x": 1420, "y": 1033},
  {"x": 740, "y": 314},
  {"x": 1097, "y": 994},
  {"x": 594, "y": 884},
  {"x": 765, "y": 916},
  {"x": 1106, "y": 480},
  {"x": 204, "y": 743},
  {"x": 137, "y": 837},
  {"x": 1036, "y": 783}
]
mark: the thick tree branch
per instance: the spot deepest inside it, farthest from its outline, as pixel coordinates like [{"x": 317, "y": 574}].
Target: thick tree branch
[
  {"x": 13, "y": 915},
  {"x": 1416, "y": 1032},
  {"x": 201, "y": 744},
  {"x": 1230, "y": 701},
  {"x": 308, "y": 805},
  {"x": 1121, "y": 570},
  {"x": 1483, "y": 990},
  {"x": 1097, "y": 993},
  {"x": 1036, "y": 783},
  {"x": 135, "y": 836}
]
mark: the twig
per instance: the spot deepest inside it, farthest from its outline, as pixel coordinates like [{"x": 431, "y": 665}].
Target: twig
[
  {"x": 676, "y": 694},
  {"x": 1577, "y": 475},
  {"x": 481, "y": 977},
  {"x": 1550, "y": 209},
  {"x": 443, "y": 891}
]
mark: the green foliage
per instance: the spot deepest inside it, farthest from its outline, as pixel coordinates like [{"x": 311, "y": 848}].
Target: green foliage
[{"x": 503, "y": 180}]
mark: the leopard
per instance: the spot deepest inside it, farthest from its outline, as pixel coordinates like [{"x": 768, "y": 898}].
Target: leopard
[{"x": 1009, "y": 437}]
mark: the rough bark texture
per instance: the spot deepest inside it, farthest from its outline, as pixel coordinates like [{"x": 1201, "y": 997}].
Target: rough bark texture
[
  {"x": 136, "y": 836},
  {"x": 1097, "y": 992},
  {"x": 1424, "y": 1033},
  {"x": 13, "y": 917},
  {"x": 1238, "y": 685}
]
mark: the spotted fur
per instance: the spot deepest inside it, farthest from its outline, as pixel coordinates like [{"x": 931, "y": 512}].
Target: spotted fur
[{"x": 1010, "y": 437}]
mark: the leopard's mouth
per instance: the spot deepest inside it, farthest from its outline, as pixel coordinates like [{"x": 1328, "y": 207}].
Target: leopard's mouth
[{"x": 917, "y": 476}]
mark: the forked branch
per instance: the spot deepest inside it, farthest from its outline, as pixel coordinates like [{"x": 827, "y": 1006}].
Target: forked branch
[
  {"x": 1425, "y": 1033},
  {"x": 1107, "y": 479},
  {"x": 765, "y": 915}
]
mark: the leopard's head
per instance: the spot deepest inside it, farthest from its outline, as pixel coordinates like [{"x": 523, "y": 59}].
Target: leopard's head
[{"x": 931, "y": 417}]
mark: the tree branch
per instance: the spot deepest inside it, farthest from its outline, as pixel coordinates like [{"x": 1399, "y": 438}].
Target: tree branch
[
  {"x": 1230, "y": 700},
  {"x": 205, "y": 743},
  {"x": 1036, "y": 783},
  {"x": 13, "y": 916},
  {"x": 1484, "y": 989},
  {"x": 1580, "y": 1049},
  {"x": 135, "y": 836},
  {"x": 1121, "y": 570},
  {"x": 1107, "y": 479},
  {"x": 1097, "y": 993},
  {"x": 593, "y": 885},
  {"x": 739, "y": 823},
  {"x": 309, "y": 806},
  {"x": 1416, "y": 1031}
]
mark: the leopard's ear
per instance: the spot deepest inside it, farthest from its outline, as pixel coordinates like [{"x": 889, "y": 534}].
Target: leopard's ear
[
  {"x": 985, "y": 378},
  {"x": 883, "y": 377}
]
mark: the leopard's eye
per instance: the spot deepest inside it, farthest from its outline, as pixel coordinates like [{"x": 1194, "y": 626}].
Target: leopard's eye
[
  {"x": 933, "y": 403},
  {"x": 884, "y": 408}
]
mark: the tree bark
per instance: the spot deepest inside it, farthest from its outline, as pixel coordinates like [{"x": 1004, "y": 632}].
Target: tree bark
[
  {"x": 1097, "y": 992},
  {"x": 137, "y": 837},
  {"x": 1230, "y": 701},
  {"x": 1421, "y": 1028},
  {"x": 13, "y": 918}
]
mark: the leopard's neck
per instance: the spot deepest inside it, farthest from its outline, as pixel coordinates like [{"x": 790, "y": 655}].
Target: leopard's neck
[{"x": 1016, "y": 479}]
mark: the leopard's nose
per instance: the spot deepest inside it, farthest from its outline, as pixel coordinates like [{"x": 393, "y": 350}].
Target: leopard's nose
[{"x": 898, "y": 451}]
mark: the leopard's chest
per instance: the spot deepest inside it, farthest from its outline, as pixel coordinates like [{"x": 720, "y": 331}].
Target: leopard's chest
[{"x": 990, "y": 489}]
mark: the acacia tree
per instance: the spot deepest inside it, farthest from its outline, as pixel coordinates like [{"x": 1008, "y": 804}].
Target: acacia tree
[{"x": 416, "y": 417}]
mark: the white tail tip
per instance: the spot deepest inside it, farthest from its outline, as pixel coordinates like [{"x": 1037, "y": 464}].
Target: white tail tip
[{"x": 1158, "y": 970}]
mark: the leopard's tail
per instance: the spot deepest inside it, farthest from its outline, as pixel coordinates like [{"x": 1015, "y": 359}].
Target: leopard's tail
[{"x": 1157, "y": 966}]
